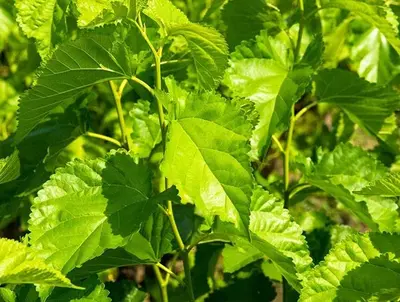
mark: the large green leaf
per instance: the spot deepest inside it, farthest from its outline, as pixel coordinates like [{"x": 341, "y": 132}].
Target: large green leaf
[
  {"x": 20, "y": 265},
  {"x": 348, "y": 169},
  {"x": 273, "y": 88},
  {"x": 9, "y": 168},
  {"x": 37, "y": 20},
  {"x": 205, "y": 44},
  {"x": 360, "y": 268},
  {"x": 90, "y": 207},
  {"x": 367, "y": 104},
  {"x": 373, "y": 11},
  {"x": 208, "y": 136},
  {"x": 74, "y": 67}
]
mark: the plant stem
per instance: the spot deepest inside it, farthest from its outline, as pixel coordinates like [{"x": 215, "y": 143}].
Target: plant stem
[
  {"x": 118, "y": 106},
  {"x": 278, "y": 144},
  {"x": 143, "y": 84},
  {"x": 286, "y": 166},
  {"x": 304, "y": 110},
  {"x": 161, "y": 283},
  {"x": 167, "y": 270},
  {"x": 301, "y": 30},
  {"x": 105, "y": 138},
  {"x": 170, "y": 213}
]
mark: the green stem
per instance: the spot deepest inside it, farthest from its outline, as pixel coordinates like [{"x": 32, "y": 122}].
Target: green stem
[
  {"x": 120, "y": 113},
  {"x": 298, "y": 188},
  {"x": 301, "y": 30},
  {"x": 167, "y": 270},
  {"x": 286, "y": 166},
  {"x": 304, "y": 110},
  {"x": 170, "y": 213},
  {"x": 161, "y": 283},
  {"x": 105, "y": 138},
  {"x": 143, "y": 84}
]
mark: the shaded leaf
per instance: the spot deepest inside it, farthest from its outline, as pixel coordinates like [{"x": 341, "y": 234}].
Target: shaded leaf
[{"x": 9, "y": 168}]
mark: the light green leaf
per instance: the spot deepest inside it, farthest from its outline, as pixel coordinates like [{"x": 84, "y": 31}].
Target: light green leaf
[
  {"x": 359, "y": 268},
  {"x": 20, "y": 265},
  {"x": 165, "y": 14},
  {"x": 274, "y": 235},
  {"x": 36, "y": 19},
  {"x": 9, "y": 168},
  {"x": 206, "y": 45},
  {"x": 236, "y": 257},
  {"x": 366, "y": 104},
  {"x": 372, "y": 57},
  {"x": 273, "y": 88},
  {"x": 146, "y": 132},
  {"x": 373, "y": 11},
  {"x": 207, "y": 137},
  {"x": 386, "y": 186},
  {"x": 145, "y": 247},
  {"x": 91, "y": 206},
  {"x": 7, "y": 295},
  {"x": 74, "y": 67},
  {"x": 208, "y": 50},
  {"x": 348, "y": 169},
  {"x": 98, "y": 12},
  {"x": 266, "y": 46},
  {"x": 245, "y": 21}
]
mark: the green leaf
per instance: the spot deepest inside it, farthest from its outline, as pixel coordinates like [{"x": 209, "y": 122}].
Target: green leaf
[
  {"x": 366, "y": 104},
  {"x": 374, "y": 11},
  {"x": 20, "y": 265},
  {"x": 273, "y": 88},
  {"x": 91, "y": 206},
  {"x": 266, "y": 46},
  {"x": 348, "y": 169},
  {"x": 208, "y": 50},
  {"x": 165, "y": 14},
  {"x": 359, "y": 268},
  {"x": 206, "y": 45},
  {"x": 37, "y": 20},
  {"x": 209, "y": 135},
  {"x": 386, "y": 186},
  {"x": 145, "y": 247},
  {"x": 9, "y": 168},
  {"x": 146, "y": 132},
  {"x": 7, "y": 295},
  {"x": 95, "y": 13},
  {"x": 372, "y": 57},
  {"x": 275, "y": 235},
  {"x": 236, "y": 257},
  {"x": 206, "y": 259},
  {"x": 245, "y": 21},
  {"x": 74, "y": 67}
]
